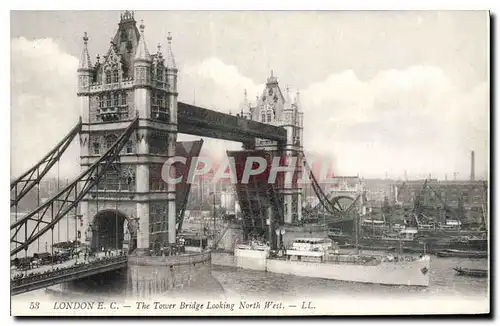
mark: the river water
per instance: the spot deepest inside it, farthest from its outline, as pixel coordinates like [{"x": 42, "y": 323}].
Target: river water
[{"x": 443, "y": 282}]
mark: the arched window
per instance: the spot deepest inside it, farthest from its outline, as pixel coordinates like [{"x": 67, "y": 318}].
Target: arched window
[
  {"x": 159, "y": 73},
  {"x": 108, "y": 100},
  {"x": 101, "y": 101},
  {"x": 108, "y": 77},
  {"x": 263, "y": 117},
  {"x": 116, "y": 98},
  {"x": 112, "y": 178},
  {"x": 115, "y": 76},
  {"x": 96, "y": 147},
  {"x": 268, "y": 116},
  {"x": 110, "y": 140},
  {"x": 124, "y": 98},
  {"x": 130, "y": 147},
  {"x": 159, "y": 106}
]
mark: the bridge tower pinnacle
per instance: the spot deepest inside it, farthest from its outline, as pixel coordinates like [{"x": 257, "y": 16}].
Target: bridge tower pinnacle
[{"x": 129, "y": 82}]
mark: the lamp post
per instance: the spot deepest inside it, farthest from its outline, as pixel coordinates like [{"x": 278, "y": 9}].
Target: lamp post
[
  {"x": 78, "y": 217},
  {"x": 127, "y": 238},
  {"x": 277, "y": 231}
]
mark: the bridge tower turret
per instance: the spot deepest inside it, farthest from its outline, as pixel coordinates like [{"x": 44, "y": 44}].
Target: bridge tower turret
[
  {"x": 85, "y": 78},
  {"x": 130, "y": 82},
  {"x": 172, "y": 137}
]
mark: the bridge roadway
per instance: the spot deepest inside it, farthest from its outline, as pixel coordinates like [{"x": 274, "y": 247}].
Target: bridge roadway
[{"x": 70, "y": 270}]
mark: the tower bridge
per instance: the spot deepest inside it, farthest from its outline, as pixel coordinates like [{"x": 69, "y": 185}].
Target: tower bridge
[{"x": 130, "y": 118}]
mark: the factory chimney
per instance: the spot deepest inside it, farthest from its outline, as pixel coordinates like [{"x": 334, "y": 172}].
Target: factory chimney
[{"x": 472, "y": 167}]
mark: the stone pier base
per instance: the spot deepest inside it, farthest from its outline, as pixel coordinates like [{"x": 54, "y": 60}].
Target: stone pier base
[{"x": 188, "y": 274}]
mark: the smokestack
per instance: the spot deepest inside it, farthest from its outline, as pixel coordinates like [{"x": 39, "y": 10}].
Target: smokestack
[{"x": 472, "y": 167}]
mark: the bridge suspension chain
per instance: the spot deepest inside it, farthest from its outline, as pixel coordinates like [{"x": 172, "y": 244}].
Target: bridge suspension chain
[
  {"x": 69, "y": 196},
  {"x": 24, "y": 183}
]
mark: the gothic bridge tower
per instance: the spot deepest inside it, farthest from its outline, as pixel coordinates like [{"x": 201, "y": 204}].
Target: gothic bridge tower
[
  {"x": 125, "y": 83},
  {"x": 277, "y": 108}
]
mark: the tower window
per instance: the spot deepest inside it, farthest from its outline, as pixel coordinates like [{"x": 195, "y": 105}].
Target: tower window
[
  {"x": 159, "y": 106},
  {"x": 115, "y": 76},
  {"x": 130, "y": 149},
  {"x": 159, "y": 73},
  {"x": 110, "y": 140},
  {"x": 95, "y": 145},
  {"x": 108, "y": 77}
]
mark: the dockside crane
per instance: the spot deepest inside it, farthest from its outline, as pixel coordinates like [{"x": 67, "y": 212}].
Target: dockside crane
[{"x": 445, "y": 205}]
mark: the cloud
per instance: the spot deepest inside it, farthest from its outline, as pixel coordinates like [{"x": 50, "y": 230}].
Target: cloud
[
  {"x": 416, "y": 119},
  {"x": 216, "y": 85},
  {"x": 43, "y": 103}
]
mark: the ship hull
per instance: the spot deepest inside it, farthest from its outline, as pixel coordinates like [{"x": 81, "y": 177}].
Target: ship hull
[
  {"x": 414, "y": 273},
  {"x": 251, "y": 259}
]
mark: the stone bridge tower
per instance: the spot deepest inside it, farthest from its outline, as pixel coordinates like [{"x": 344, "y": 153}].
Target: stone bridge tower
[
  {"x": 277, "y": 108},
  {"x": 129, "y": 81}
]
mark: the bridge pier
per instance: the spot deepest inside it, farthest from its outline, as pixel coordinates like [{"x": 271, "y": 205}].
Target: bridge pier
[
  {"x": 129, "y": 83},
  {"x": 152, "y": 277}
]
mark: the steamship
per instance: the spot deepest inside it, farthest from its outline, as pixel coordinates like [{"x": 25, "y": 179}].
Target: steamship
[{"x": 320, "y": 258}]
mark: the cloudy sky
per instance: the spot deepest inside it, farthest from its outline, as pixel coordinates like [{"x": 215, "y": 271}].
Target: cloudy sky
[{"x": 382, "y": 92}]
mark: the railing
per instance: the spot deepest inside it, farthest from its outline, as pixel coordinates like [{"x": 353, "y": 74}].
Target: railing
[
  {"x": 113, "y": 113},
  {"x": 184, "y": 259},
  {"x": 75, "y": 269}
]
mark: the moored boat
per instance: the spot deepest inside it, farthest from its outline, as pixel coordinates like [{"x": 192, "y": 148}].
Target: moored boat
[
  {"x": 320, "y": 258},
  {"x": 471, "y": 272},
  {"x": 462, "y": 254}
]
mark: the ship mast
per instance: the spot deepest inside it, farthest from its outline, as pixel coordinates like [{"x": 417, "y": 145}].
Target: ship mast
[
  {"x": 356, "y": 223},
  {"x": 356, "y": 220}
]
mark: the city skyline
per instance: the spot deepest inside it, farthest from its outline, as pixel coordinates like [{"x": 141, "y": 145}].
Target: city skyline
[{"x": 374, "y": 113}]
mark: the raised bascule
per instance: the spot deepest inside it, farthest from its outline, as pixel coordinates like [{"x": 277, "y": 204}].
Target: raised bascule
[{"x": 130, "y": 118}]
